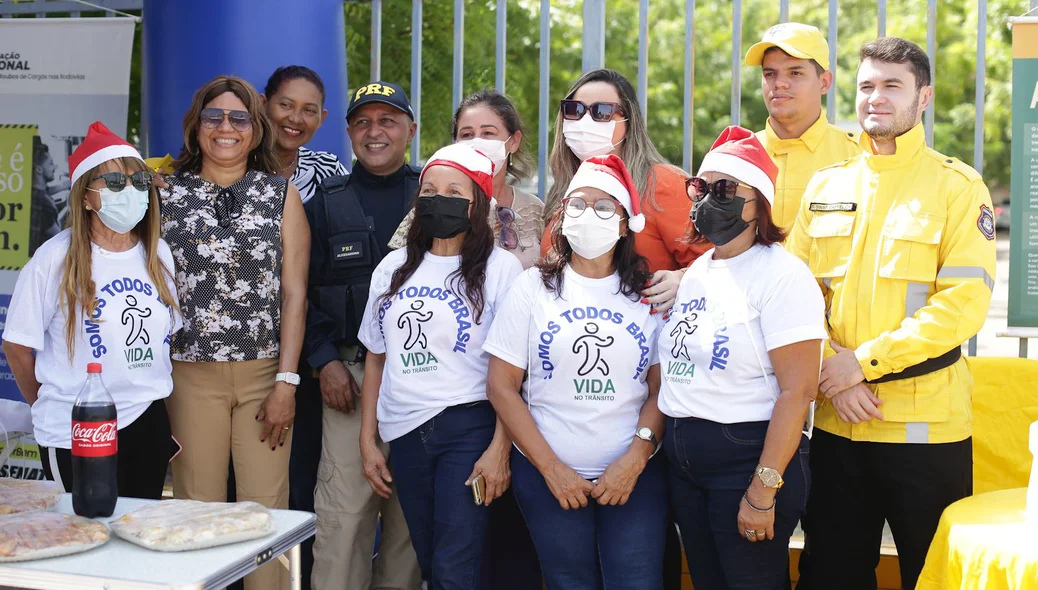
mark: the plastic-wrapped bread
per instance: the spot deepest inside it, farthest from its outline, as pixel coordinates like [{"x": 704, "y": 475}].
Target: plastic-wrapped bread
[
  {"x": 18, "y": 495},
  {"x": 183, "y": 525},
  {"x": 37, "y": 535}
]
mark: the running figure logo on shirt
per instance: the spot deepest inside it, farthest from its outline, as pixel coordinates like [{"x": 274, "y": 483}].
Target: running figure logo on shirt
[
  {"x": 414, "y": 320},
  {"x": 682, "y": 330},
  {"x": 591, "y": 344},
  {"x": 134, "y": 317}
]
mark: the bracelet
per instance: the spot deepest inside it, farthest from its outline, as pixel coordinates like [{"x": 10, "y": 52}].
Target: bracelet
[{"x": 768, "y": 509}]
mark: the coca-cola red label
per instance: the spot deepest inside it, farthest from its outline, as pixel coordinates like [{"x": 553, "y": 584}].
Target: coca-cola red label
[{"x": 95, "y": 439}]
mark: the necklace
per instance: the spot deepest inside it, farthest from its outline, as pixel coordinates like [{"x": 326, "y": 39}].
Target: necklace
[{"x": 291, "y": 165}]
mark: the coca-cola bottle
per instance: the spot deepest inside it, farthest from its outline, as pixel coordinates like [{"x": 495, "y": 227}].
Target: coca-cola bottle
[{"x": 95, "y": 437}]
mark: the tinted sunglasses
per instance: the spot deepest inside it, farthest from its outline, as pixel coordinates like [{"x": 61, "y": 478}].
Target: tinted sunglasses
[
  {"x": 574, "y": 110},
  {"x": 604, "y": 208},
  {"x": 507, "y": 237},
  {"x": 212, "y": 117},
  {"x": 117, "y": 181},
  {"x": 723, "y": 190}
]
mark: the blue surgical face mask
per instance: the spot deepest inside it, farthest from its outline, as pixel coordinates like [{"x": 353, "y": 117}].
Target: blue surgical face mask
[{"x": 122, "y": 211}]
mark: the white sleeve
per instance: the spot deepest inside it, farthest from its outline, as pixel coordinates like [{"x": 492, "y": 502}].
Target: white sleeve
[
  {"x": 509, "y": 337},
  {"x": 32, "y": 308},
  {"x": 506, "y": 268},
  {"x": 166, "y": 256},
  {"x": 792, "y": 308},
  {"x": 370, "y": 334},
  {"x": 652, "y": 332}
]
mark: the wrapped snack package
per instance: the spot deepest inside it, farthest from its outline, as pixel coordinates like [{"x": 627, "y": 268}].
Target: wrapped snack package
[
  {"x": 37, "y": 535},
  {"x": 18, "y": 495},
  {"x": 183, "y": 525}
]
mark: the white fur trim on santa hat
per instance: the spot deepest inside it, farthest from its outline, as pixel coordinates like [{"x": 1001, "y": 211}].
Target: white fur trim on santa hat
[
  {"x": 741, "y": 170},
  {"x": 609, "y": 184},
  {"x": 100, "y": 157}
]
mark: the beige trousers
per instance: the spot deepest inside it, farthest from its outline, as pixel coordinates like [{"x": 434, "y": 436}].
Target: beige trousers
[
  {"x": 347, "y": 515},
  {"x": 212, "y": 412}
]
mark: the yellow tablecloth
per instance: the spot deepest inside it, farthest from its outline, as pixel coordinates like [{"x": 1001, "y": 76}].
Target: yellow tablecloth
[{"x": 983, "y": 543}]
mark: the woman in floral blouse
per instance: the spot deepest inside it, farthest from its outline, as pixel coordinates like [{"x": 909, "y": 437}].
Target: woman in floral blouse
[{"x": 241, "y": 245}]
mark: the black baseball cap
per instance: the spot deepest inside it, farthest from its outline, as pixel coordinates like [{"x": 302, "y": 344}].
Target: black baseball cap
[{"x": 384, "y": 92}]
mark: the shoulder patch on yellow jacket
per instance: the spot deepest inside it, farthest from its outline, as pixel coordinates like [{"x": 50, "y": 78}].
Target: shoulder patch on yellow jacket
[{"x": 967, "y": 171}]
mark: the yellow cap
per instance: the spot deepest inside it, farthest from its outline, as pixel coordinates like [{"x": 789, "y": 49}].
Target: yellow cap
[{"x": 800, "y": 41}]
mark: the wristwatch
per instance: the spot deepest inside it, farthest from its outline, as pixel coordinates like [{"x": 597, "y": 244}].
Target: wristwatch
[
  {"x": 645, "y": 433},
  {"x": 290, "y": 378},
  {"x": 771, "y": 478}
]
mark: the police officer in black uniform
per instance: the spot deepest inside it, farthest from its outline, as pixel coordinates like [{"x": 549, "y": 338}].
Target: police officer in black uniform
[{"x": 351, "y": 222}]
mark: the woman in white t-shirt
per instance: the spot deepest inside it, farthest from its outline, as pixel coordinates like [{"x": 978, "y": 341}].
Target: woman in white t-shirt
[
  {"x": 574, "y": 377},
  {"x": 101, "y": 291},
  {"x": 740, "y": 355},
  {"x": 429, "y": 309}
]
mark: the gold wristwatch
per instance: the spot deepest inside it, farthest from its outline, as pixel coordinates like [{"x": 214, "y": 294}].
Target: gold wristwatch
[{"x": 771, "y": 478}]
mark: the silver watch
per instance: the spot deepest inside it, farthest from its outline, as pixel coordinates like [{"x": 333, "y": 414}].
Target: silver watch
[{"x": 645, "y": 433}]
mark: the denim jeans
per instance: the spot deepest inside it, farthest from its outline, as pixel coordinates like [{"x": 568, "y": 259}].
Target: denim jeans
[
  {"x": 710, "y": 468},
  {"x": 597, "y": 547},
  {"x": 430, "y": 465}
]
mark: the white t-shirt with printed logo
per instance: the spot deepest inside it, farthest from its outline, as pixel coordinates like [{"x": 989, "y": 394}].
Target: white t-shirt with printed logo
[
  {"x": 129, "y": 335},
  {"x": 713, "y": 350},
  {"x": 433, "y": 347},
  {"x": 587, "y": 354}
]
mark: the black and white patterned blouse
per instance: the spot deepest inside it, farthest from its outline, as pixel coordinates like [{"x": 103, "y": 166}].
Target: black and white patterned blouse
[
  {"x": 313, "y": 167},
  {"x": 226, "y": 242}
]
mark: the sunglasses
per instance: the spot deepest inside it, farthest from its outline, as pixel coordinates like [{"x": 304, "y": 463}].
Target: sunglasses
[
  {"x": 574, "y": 110},
  {"x": 212, "y": 117},
  {"x": 508, "y": 237},
  {"x": 117, "y": 181},
  {"x": 723, "y": 190},
  {"x": 604, "y": 208}
]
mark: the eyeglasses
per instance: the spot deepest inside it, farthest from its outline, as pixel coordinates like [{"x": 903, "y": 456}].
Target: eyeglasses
[
  {"x": 604, "y": 208},
  {"x": 508, "y": 237},
  {"x": 226, "y": 207},
  {"x": 212, "y": 117},
  {"x": 117, "y": 181},
  {"x": 723, "y": 190},
  {"x": 574, "y": 110}
]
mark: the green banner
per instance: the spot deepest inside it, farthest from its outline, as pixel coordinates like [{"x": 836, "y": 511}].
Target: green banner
[
  {"x": 1023, "y": 235},
  {"x": 16, "y": 179}
]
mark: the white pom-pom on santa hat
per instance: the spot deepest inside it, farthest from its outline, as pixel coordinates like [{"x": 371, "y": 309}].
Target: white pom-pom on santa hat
[{"x": 610, "y": 175}]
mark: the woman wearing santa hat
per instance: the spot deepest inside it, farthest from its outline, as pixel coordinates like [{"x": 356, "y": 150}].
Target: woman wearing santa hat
[
  {"x": 741, "y": 350},
  {"x": 101, "y": 291},
  {"x": 429, "y": 309},
  {"x": 574, "y": 377}
]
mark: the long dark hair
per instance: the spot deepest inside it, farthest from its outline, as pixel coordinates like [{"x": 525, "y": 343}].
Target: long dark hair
[
  {"x": 629, "y": 264},
  {"x": 519, "y": 164},
  {"x": 262, "y": 156},
  {"x": 475, "y": 252}
]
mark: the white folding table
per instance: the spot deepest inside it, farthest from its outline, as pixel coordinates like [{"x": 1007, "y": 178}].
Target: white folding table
[{"x": 119, "y": 565}]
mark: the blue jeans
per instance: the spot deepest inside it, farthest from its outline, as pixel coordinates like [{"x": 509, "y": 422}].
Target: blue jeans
[
  {"x": 710, "y": 468},
  {"x": 597, "y": 547},
  {"x": 430, "y": 465}
]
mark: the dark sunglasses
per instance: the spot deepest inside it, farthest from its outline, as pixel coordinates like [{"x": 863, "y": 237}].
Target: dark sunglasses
[
  {"x": 574, "y": 110},
  {"x": 508, "y": 237},
  {"x": 723, "y": 190},
  {"x": 212, "y": 117},
  {"x": 117, "y": 181}
]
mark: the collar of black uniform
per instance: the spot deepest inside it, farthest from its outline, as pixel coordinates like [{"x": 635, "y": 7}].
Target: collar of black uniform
[{"x": 366, "y": 178}]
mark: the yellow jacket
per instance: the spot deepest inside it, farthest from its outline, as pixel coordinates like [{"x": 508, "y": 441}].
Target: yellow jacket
[
  {"x": 903, "y": 248},
  {"x": 798, "y": 159}
]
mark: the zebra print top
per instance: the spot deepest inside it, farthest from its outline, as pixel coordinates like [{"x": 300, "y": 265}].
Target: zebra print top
[{"x": 313, "y": 167}]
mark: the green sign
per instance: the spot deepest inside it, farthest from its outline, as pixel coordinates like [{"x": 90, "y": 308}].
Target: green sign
[
  {"x": 16, "y": 177},
  {"x": 1023, "y": 235}
]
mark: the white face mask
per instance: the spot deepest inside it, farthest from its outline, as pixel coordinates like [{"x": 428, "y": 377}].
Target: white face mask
[
  {"x": 492, "y": 148},
  {"x": 588, "y": 138},
  {"x": 122, "y": 211},
  {"x": 589, "y": 235}
]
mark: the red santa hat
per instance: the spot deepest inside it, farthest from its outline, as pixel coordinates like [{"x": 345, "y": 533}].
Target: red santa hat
[
  {"x": 473, "y": 163},
  {"x": 610, "y": 175},
  {"x": 739, "y": 154},
  {"x": 100, "y": 146}
]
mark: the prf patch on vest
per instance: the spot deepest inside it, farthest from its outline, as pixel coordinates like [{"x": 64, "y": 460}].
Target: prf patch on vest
[
  {"x": 828, "y": 207},
  {"x": 986, "y": 222},
  {"x": 347, "y": 250}
]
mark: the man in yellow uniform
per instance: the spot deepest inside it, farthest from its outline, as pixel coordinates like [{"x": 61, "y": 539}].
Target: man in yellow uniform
[
  {"x": 901, "y": 240},
  {"x": 794, "y": 60}
]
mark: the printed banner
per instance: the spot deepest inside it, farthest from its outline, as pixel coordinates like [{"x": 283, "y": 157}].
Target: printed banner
[
  {"x": 50, "y": 92},
  {"x": 1023, "y": 190}
]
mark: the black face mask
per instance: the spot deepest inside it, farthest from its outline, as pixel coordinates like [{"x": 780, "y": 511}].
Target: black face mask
[
  {"x": 443, "y": 217},
  {"x": 720, "y": 222}
]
